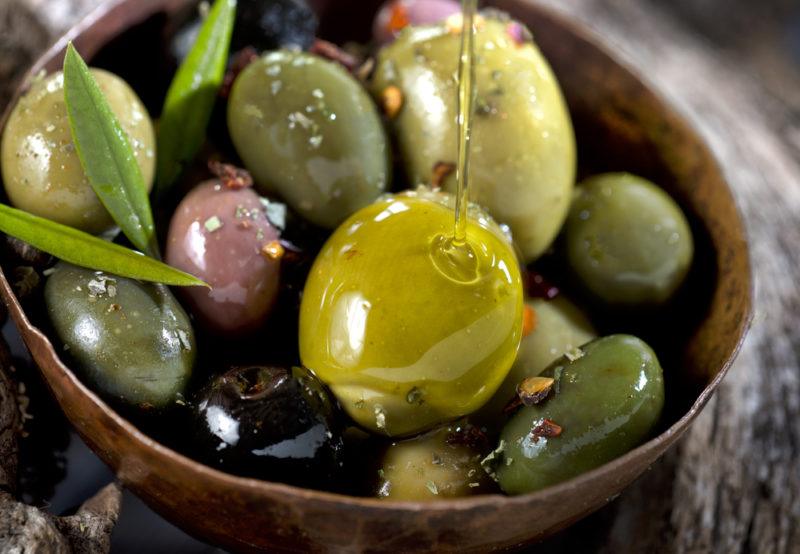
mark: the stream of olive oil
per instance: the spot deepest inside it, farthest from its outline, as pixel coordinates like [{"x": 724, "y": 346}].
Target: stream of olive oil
[{"x": 454, "y": 255}]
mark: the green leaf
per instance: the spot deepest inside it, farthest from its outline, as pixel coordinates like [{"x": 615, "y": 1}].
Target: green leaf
[
  {"x": 191, "y": 96},
  {"x": 85, "y": 250},
  {"x": 105, "y": 154}
]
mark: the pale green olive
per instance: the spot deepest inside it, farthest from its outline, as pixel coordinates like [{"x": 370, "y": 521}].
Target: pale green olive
[
  {"x": 559, "y": 327},
  {"x": 41, "y": 169},
  {"x": 523, "y": 145}
]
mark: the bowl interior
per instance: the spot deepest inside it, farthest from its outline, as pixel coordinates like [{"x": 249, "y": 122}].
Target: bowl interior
[{"x": 620, "y": 126}]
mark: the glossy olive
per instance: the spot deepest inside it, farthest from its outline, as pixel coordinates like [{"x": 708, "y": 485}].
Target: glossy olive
[
  {"x": 627, "y": 241},
  {"x": 404, "y": 343},
  {"x": 41, "y": 169},
  {"x": 270, "y": 423},
  {"x": 433, "y": 466},
  {"x": 523, "y": 146},
  {"x": 559, "y": 327},
  {"x": 307, "y": 130},
  {"x": 396, "y": 15},
  {"x": 131, "y": 341},
  {"x": 222, "y": 236},
  {"x": 605, "y": 402}
]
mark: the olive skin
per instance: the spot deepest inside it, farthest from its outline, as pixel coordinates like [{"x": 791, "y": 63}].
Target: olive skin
[
  {"x": 131, "y": 340},
  {"x": 404, "y": 344},
  {"x": 222, "y": 236},
  {"x": 523, "y": 145},
  {"x": 433, "y": 466},
  {"x": 41, "y": 169},
  {"x": 560, "y": 328},
  {"x": 395, "y": 15},
  {"x": 308, "y": 131},
  {"x": 606, "y": 402},
  {"x": 627, "y": 241},
  {"x": 270, "y": 423}
]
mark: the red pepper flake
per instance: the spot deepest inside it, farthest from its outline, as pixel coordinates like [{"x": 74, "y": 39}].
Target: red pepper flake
[
  {"x": 241, "y": 59},
  {"x": 468, "y": 435},
  {"x": 351, "y": 253},
  {"x": 539, "y": 287},
  {"x": 398, "y": 17},
  {"x": 546, "y": 428},
  {"x": 529, "y": 320},
  {"x": 441, "y": 170},
  {"x": 231, "y": 176},
  {"x": 333, "y": 53},
  {"x": 273, "y": 250},
  {"x": 392, "y": 101}
]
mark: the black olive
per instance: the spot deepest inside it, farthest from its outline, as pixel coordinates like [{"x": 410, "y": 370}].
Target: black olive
[
  {"x": 261, "y": 24},
  {"x": 272, "y": 24},
  {"x": 269, "y": 423}
]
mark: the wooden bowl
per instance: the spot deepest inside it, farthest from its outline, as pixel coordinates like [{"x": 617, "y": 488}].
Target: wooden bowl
[{"x": 620, "y": 124}]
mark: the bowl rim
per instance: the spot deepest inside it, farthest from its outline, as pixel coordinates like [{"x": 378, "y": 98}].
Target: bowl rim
[{"x": 107, "y": 13}]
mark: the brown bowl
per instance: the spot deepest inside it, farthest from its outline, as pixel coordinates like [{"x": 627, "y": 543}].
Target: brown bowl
[{"x": 620, "y": 124}]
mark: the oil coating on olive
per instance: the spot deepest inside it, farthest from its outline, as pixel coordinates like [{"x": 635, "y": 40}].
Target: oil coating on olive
[
  {"x": 436, "y": 465},
  {"x": 270, "y": 423},
  {"x": 523, "y": 146},
  {"x": 309, "y": 132},
  {"x": 222, "y": 236},
  {"x": 132, "y": 341},
  {"x": 627, "y": 240},
  {"x": 41, "y": 169},
  {"x": 605, "y": 402},
  {"x": 403, "y": 344},
  {"x": 560, "y": 327}
]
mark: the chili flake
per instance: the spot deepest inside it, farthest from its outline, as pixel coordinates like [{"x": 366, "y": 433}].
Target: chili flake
[
  {"x": 273, "y": 250},
  {"x": 441, "y": 170},
  {"x": 392, "y": 101},
  {"x": 546, "y": 428},
  {"x": 529, "y": 321}
]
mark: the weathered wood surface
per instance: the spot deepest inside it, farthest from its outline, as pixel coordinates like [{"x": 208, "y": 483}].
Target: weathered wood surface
[{"x": 733, "y": 484}]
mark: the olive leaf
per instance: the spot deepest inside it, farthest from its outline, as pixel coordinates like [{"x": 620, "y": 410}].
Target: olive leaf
[
  {"x": 85, "y": 250},
  {"x": 191, "y": 96},
  {"x": 106, "y": 155}
]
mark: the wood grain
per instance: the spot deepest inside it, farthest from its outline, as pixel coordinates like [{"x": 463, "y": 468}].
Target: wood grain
[{"x": 733, "y": 484}]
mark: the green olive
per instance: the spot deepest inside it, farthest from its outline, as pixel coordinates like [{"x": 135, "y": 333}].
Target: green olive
[
  {"x": 605, "y": 401},
  {"x": 627, "y": 241},
  {"x": 308, "y": 131},
  {"x": 560, "y": 327},
  {"x": 41, "y": 169},
  {"x": 404, "y": 343},
  {"x": 436, "y": 465},
  {"x": 131, "y": 341},
  {"x": 523, "y": 145}
]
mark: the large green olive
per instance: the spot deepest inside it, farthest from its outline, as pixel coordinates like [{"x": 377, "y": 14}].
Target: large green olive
[
  {"x": 437, "y": 465},
  {"x": 41, "y": 169},
  {"x": 603, "y": 403},
  {"x": 132, "y": 341},
  {"x": 627, "y": 240},
  {"x": 523, "y": 146},
  {"x": 404, "y": 338},
  {"x": 560, "y": 327},
  {"x": 308, "y": 131}
]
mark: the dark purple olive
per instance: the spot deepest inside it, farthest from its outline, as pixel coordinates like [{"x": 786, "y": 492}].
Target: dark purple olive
[
  {"x": 223, "y": 236},
  {"x": 272, "y": 424}
]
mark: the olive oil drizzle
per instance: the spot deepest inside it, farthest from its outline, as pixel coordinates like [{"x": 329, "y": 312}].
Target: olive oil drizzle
[
  {"x": 454, "y": 255},
  {"x": 466, "y": 77}
]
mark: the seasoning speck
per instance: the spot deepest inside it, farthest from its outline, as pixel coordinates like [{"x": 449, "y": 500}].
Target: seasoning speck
[
  {"x": 415, "y": 396},
  {"x": 432, "y": 487},
  {"x": 273, "y": 250},
  {"x": 392, "y": 101},
  {"x": 212, "y": 224}
]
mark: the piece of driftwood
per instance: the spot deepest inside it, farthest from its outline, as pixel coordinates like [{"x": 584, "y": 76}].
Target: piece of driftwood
[{"x": 733, "y": 484}]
